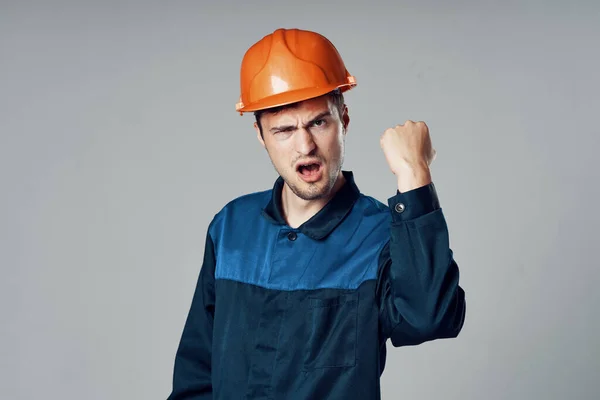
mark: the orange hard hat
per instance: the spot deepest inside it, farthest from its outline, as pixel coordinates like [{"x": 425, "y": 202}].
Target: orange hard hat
[{"x": 290, "y": 65}]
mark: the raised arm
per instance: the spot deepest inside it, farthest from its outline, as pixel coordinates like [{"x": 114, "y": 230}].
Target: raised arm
[{"x": 419, "y": 294}]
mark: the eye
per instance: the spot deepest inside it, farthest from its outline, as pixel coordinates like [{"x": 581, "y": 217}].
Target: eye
[
  {"x": 319, "y": 122},
  {"x": 283, "y": 130}
]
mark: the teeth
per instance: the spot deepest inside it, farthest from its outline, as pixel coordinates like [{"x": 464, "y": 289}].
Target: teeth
[{"x": 308, "y": 167}]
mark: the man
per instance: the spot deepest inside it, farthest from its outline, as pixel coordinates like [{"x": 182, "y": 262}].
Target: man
[{"x": 301, "y": 286}]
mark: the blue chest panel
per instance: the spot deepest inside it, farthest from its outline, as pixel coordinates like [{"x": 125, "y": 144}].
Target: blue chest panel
[{"x": 252, "y": 249}]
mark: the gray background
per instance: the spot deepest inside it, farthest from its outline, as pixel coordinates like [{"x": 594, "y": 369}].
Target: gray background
[{"x": 119, "y": 141}]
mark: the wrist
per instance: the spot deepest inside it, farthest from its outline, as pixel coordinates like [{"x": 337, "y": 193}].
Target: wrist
[{"x": 412, "y": 178}]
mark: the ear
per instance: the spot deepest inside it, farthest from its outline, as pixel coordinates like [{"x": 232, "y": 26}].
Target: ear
[
  {"x": 258, "y": 135},
  {"x": 345, "y": 119}
]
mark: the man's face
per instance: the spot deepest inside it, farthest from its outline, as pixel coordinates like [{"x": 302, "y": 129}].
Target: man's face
[{"x": 306, "y": 145}]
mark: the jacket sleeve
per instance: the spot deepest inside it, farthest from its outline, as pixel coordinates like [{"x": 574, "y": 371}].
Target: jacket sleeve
[
  {"x": 192, "y": 370},
  {"x": 418, "y": 279}
]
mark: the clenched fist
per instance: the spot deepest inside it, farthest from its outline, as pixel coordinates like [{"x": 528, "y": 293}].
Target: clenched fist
[{"x": 409, "y": 153}]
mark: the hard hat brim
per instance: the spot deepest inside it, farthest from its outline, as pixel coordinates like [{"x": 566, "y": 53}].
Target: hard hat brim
[{"x": 291, "y": 97}]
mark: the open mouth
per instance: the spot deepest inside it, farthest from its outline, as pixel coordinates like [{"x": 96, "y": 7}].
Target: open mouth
[{"x": 309, "y": 169}]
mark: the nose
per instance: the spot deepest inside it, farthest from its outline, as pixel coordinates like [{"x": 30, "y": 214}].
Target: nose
[{"x": 304, "y": 142}]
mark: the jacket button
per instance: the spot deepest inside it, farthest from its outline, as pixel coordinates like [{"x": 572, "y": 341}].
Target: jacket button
[
  {"x": 399, "y": 208},
  {"x": 292, "y": 236}
]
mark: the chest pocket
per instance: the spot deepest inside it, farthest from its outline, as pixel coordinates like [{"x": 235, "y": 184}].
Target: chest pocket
[{"x": 332, "y": 331}]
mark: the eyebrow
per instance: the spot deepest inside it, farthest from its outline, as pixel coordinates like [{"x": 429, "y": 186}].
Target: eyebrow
[{"x": 312, "y": 121}]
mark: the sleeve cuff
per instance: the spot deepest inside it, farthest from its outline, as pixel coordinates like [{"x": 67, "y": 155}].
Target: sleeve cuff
[{"x": 414, "y": 203}]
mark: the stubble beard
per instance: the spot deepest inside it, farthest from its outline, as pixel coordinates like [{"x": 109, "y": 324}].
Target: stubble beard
[{"x": 313, "y": 191}]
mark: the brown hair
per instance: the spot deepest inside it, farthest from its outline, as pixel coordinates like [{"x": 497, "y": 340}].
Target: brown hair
[{"x": 335, "y": 96}]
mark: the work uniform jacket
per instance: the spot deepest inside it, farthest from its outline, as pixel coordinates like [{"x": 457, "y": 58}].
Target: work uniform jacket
[{"x": 304, "y": 314}]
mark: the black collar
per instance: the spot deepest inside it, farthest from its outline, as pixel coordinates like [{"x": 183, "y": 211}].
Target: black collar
[{"x": 324, "y": 222}]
